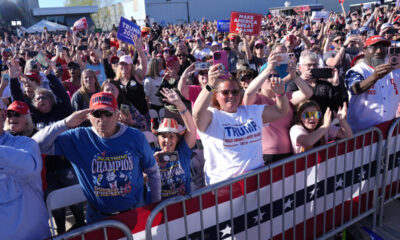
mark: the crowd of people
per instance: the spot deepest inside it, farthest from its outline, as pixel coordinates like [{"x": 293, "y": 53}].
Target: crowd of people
[{"x": 138, "y": 124}]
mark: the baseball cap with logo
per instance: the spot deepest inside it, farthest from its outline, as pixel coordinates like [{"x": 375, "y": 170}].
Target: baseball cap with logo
[
  {"x": 377, "y": 39},
  {"x": 259, "y": 42},
  {"x": 126, "y": 59},
  {"x": 103, "y": 101},
  {"x": 20, "y": 107},
  {"x": 170, "y": 125},
  {"x": 33, "y": 76}
]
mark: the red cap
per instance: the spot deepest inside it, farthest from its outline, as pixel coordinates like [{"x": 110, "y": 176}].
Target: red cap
[
  {"x": 355, "y": 59},
  {"x": 171, "y": 60},
  {"x": 20, "y": 107},
  {"x": 105, "y": 101},
  {"x": 33, "y": 76},
  {"x": 377, "y": 39}
]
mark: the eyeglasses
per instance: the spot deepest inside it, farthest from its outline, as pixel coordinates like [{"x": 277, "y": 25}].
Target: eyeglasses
[
  {"x": 273, "y": 75},
  {"x": 234, "y": 92},
  {"x": 202, "y": 73},
  {"x": 99, "y": 113},
  {"x": 259, "y": 46},
  {"x": 314, "y": 114},
  {"x": 11, "y": 114}
]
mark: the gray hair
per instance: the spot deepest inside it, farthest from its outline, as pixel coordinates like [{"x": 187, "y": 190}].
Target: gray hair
[{"x": 309, "y": 55}]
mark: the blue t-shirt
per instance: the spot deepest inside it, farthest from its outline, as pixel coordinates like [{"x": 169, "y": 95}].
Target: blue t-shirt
[
  {"x": 175, "y": 175},
  {"x": 110, "y": 170}
]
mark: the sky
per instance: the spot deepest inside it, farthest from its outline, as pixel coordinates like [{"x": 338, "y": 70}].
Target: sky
[{"x": 51, "y": 3}]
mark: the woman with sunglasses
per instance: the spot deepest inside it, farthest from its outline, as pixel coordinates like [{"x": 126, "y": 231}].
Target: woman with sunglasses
[
  {"x": 231, "y": 133},
  {"x": 276, "y": 143},
  {"x": 311, "y": 130}
]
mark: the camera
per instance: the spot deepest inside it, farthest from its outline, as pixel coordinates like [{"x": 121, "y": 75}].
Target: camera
[
  {"x": 217, "y": 56},
  {"x": 394, "y": 56}
]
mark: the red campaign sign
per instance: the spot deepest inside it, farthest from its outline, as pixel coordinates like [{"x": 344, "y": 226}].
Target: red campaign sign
[
  {"x": 248, "y": 23},
  {"x": 80, "y": 24}
]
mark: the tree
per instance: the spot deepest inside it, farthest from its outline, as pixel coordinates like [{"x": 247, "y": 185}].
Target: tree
[{"x": 72, "y": 3}]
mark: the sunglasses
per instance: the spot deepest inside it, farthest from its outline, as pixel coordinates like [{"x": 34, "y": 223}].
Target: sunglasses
[
  {"x": 234, "y": 92},
  {"x": 339, "y": 40},
  {"x": 39, "y": 98},
  {"x": 99, "y": 113},
  {"x": 181, "y": 55},
  {"x": 315, "y": 114},
  {"x": 273, "y": 75},
  {"x": 260, "y": 46},
  {"x": 11, "y": 114}
]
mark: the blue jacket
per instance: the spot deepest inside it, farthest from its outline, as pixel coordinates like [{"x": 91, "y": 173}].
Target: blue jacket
[{"x": 23, "y": 214}]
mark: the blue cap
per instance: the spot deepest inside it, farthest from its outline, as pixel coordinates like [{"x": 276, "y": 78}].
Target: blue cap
[{"x": 307, "y": 26}]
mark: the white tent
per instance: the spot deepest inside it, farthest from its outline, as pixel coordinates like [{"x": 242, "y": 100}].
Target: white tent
[{"x": 51, "y": 27}]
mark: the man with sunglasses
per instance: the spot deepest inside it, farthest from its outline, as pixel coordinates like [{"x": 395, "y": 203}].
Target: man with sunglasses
[
  {"x": 109, "y": 158},
  {"x": 373, "y": 87}
]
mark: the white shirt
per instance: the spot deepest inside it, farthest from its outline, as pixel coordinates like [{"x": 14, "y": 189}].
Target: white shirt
[{"x": 232, "y": 143}]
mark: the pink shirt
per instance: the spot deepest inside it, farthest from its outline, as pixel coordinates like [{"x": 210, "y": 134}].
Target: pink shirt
[
  {"x": 194, "y": 91},
  {"x": 275, "y": 135}
]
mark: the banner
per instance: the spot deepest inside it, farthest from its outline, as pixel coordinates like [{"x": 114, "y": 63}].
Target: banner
[
  {"x": 126, "y": 30},
  {"x": 223, "y": 25},
  {"x": 300, "y": 10},
  {"x": 248, "y": 23},
  {"x": 80, "y": 24},
  {"x": 318, "y": 15}
]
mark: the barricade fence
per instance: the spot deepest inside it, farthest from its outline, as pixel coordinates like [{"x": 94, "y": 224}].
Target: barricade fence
[{"x": 310, "y": 195}]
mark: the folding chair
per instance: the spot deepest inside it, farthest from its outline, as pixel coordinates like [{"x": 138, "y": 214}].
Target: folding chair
[{"x": 61, "y": 198}]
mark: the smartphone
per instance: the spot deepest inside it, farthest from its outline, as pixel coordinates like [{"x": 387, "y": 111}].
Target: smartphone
[
  {"x": 107, "y": 41},
  {"x": 168, "y": 156},
  {"x": 282, "y": 70},
  {"x": 220, "y": 57},
  {"x": 5, "y": 77},
  {"x": 82, "y": 48},
  {"x": 298, "y": 26},
  {"x": 322, "y": 73},
  {"x": 32, "y": 54},
  {"x": 125, "y": 109},
  {"x": 285, "y": 57},
  {"x": 202, "y": 66},
  {"x": 394, "y": 56},
  {"x": 41, "y": 60}
]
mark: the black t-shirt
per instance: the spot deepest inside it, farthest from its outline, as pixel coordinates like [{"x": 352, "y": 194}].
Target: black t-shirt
[
  {"x": 134, "y": 93},
  {"x": 325, "y": 94}
]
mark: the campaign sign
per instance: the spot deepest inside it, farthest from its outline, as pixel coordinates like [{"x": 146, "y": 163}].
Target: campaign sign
[
  {"x": 223, "y": 25},
  {"x": 248, "y": 23},
  {"x": 126, "y": 30},
  {"x": 318, "y": 15},
  {"x": 80, "y": 24}
]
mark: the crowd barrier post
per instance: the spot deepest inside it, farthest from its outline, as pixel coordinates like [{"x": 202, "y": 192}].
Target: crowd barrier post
[
  {"x": 96, "y": 226},
  {"x": 310, "y": 195},
  {"x": 390, "y": 180}
]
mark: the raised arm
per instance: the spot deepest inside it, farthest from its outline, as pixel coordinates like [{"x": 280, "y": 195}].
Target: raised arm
[
  {"x": 281, "y": 108},
  {"x": 182, "y": 84},
  {"x": 141, "y": 70},
  {"x": 202, "y": 116}
]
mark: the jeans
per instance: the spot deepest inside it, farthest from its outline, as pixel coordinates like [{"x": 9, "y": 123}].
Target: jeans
[{"x": 60, "y": 179}]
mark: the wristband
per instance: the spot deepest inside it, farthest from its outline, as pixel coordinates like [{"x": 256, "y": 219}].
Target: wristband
[
  {"x": 209, "y": 88},
  {"x": 184, "y": 111},
  {"x": 280, "y": 95}
]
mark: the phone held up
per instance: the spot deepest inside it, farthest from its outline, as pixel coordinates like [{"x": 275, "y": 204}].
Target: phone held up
[
  {"x": 168, "y": 156},
  {"x": 323, "y": 73},
  {"x": 394, "y": 56},
  {"x": 220, "y": 57}
]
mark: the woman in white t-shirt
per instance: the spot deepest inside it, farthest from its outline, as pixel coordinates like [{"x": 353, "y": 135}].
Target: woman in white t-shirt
[
  {"x": 311, "y": 130},
  {"x": 231, "y": 133}
]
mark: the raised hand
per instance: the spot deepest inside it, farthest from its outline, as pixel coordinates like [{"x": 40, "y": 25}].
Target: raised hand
[
  {"x": 76, "y": 118},
  {"x": 342, "y": 112},
  {"x": 327, "y": 118},
  {"x": 277, "y": 85},
  {"x": 171, "y": 96}
]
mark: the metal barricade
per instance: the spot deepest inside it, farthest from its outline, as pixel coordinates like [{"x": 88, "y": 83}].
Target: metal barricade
[
  {"x": 86, "y": 230},
  {"x": 390, "y": 187},
  {"x": 315, "y": 194}
]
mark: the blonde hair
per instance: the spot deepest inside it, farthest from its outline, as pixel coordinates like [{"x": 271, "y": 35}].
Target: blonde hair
[
  {"x": 28, "y": 128},
  {"x": 153, "y": 69},
  {"x": 83, "y": 89}
]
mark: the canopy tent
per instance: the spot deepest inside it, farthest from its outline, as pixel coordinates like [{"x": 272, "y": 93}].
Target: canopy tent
[{"x": 51, "y": 27}]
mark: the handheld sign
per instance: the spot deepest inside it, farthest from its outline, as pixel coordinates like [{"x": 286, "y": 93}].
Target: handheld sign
[
  {"x": 80, "y": 24},
  {"x": 248, "y": 23},
  {"x": 126, "y": 30},
  {"x": 223, "y": 25},
  {"x": 318, "y": 15}
]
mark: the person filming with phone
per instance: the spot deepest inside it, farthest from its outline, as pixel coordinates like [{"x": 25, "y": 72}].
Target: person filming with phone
[{"x": 373, "y": 86}]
